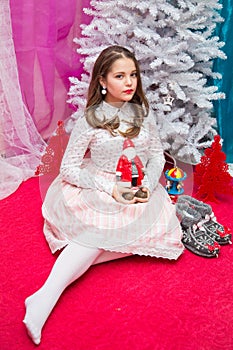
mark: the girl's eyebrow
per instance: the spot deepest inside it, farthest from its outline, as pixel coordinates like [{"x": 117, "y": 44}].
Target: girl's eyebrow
[{"x": 124, "y": 72}]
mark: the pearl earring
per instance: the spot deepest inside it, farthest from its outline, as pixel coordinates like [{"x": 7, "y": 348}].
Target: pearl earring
[{"x": 103, "y": 91}]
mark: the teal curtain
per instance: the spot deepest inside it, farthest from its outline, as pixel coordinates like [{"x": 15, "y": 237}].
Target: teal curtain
[{"x": 224, "y": 108}]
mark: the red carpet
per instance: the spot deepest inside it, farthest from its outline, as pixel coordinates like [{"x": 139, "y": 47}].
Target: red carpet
[{"x": 136, "y": 303}]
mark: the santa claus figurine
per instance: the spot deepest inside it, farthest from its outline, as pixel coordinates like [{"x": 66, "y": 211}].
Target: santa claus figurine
[{"x": 129, "y": 170}]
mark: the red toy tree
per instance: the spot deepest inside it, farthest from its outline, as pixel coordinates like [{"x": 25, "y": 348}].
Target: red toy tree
[
  {"x": 211, "y": 175},
  {"x": 52, "y": 158}
]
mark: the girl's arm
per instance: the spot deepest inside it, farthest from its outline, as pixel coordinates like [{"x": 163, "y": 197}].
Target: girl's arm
[
  {"x": 72, "y": 161},
  {"x": 73, "y": 169}
]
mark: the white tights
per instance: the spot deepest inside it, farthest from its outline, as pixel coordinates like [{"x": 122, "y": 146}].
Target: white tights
[{"x": 73, "y": 261}]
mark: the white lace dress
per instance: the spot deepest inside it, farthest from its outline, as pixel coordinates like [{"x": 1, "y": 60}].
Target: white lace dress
[{"x": 79, "y": 205}]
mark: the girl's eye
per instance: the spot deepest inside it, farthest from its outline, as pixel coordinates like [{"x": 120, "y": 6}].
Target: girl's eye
[{"x": 120, "y": 76}]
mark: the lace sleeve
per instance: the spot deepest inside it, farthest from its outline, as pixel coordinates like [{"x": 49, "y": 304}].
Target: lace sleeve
[
  {"x": 73, "y": 168},
  {"x": 156, "y": 160},
  {"x": 73, "y": 158}
]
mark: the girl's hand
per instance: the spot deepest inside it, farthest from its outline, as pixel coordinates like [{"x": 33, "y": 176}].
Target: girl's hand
[
  {"x": 143, "y": 200},
  {"x": 117, "y": 195}
]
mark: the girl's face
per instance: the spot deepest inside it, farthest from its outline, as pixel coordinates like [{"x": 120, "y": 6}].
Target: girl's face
[{"x": 121, "y": 81}]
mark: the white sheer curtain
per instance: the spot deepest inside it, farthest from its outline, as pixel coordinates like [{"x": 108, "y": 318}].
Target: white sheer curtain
[{"x": 21, "y": 145}]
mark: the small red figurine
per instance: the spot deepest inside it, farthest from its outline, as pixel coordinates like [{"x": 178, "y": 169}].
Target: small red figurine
[{"x": 129, "y": 170}]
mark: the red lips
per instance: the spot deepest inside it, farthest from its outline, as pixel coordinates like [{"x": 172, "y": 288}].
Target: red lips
[{"x": 128, "y": 91}]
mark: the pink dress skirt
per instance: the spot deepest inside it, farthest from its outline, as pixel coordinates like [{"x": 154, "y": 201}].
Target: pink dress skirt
[{"x": 93, "y": 218}]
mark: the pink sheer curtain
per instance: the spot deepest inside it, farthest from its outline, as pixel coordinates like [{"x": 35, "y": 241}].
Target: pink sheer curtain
[
  {"x": 37, "y": 56},
  {"x": 20, "y": 143},
  {"x": 43, "y": 33}
]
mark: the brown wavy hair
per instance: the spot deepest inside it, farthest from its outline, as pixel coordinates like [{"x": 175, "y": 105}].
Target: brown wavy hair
[{"x": 139, "y": 101}]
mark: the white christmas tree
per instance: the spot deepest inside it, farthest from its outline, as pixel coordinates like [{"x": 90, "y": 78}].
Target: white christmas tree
[{"x": 174, "y": 44}]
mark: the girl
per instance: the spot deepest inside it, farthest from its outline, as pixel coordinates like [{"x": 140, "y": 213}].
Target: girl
[{"x": 85, "y": 210}]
